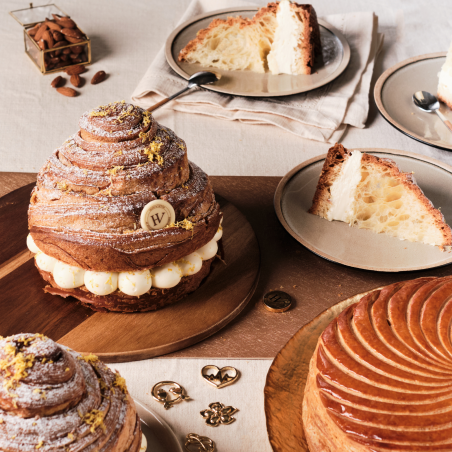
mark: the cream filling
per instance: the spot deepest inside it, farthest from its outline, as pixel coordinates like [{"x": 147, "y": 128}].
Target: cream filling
[
  {"x": 282, "y": 56},
  {"x": 344, "y": 188},
  {"x": 131, "y": 283}
]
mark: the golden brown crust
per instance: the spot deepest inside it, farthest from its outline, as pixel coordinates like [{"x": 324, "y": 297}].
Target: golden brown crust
[
  {"x": 118, "y": 301},
  {"x": 380, "y": 377},
  {"x": 309, "y": 45},
  {"x": 336, "y": 157}
]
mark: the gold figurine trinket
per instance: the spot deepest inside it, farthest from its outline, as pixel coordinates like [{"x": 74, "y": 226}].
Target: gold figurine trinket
[
  {"x": 165, "y": 397},
  {"x": 196, "y": 443},
  {"x": 219, "y": 414},
  {"x": 221, "y": 377}
]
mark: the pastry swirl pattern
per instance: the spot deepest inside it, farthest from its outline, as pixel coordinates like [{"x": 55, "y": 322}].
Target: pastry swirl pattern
[
  {"x": 381, "y": 376},
  {"x": 91, "y": 191},
  {"x": 54, "y": 399}
]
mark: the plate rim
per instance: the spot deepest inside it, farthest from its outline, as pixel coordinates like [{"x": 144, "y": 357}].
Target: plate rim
[
  {"x": 284, "y": 181},
  {"x": 176, "y": 68},
  {"x": 140, "y": 406},
  {"x": 378, "y": 89}
]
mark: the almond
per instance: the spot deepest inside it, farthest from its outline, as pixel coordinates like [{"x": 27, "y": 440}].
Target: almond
[
  {"x": 74, "y": 40},
  {"x": 72, "y": 32},
  {"x": 56, "y": 81},
  {"x": 76, "y": 80},
  {"x": 98, "y": 77},
  {"x": 48, "y": 37},
  {"x": 32, "y": 31},
  {"x": 60, "y": 44},
  {"x": 42, "y": 44},
  {"x": 64, "y": 22},
  {"x": 78, "y": 69},
  {"x": 57, "y": 36},
  {"x": 40, "y": 32},
  {"x": 68, "y": 92},
  {"x": 53, "y": 25},
  {"x": 67, "y": 51},
  {"x": 77, "y": 49}
]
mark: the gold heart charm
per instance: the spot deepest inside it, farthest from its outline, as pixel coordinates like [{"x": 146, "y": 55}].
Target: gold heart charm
[{"x": 220, "y": 377}]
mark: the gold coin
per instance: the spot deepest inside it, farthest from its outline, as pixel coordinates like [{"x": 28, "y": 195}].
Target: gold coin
[{"x": 277, "y": 301}]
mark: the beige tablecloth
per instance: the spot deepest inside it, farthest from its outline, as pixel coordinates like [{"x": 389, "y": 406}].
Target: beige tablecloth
[{"x": 126, "y": 37}]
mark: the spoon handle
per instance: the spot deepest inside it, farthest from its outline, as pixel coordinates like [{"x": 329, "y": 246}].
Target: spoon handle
[
  {"x": 167, "y": 99},
  {"x": 444, "y": 119}
]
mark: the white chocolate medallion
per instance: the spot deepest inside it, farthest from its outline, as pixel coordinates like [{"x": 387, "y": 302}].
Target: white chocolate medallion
[{"x": 157, "y": 214}]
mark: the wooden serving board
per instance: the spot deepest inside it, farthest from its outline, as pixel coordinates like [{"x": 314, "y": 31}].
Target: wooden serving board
[{"x": 122, "y": 337}]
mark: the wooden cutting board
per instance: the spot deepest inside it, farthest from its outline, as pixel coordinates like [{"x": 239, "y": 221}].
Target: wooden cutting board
[{"x": 122, "y": 337}]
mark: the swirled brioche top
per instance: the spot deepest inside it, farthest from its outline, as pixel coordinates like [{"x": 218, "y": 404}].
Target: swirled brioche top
[
  {"x": 52, "y": 398},
  {"x": 93, "y": 188}
]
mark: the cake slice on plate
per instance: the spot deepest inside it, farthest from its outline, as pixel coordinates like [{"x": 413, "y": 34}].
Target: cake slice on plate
[
  {"x": 282, "y": 37},
  {"x": 372, "y": 193},
  {"x": 445, "y": 80}
]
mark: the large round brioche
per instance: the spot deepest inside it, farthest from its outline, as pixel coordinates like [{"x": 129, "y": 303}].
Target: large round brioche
[
  {"x": 380, "y": 378},
  {"x": 54, "y": 399},
  {"x": 85, "y": 210}
]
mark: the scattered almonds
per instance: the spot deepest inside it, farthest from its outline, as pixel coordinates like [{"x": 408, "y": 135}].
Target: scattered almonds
[
  {"x": 56, "y": 81},
  {"x": 75, "y": 70},
  {"x": 76, "y": 80},
  {"x": 69, "y": 92},
  {"x": 98, "y": 77}
]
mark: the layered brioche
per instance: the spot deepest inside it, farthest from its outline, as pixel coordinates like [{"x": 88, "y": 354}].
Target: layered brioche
[
  {"x": 282, "y": 37},
  {"x": 85, "y": 214},
  {"x": 54, "y": 399},
  {"x": 371, "y": 193}
]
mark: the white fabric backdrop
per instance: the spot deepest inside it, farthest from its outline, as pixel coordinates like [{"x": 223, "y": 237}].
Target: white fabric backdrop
[{"x": 126, "y": 36}]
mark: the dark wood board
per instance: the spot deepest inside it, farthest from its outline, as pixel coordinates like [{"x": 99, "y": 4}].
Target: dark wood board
[
  {"x": 314, "y": 283},
  {"x": 124, "y": 337}
]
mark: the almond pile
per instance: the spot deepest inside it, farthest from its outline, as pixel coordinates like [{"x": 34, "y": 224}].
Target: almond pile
[
  {"x": 75, "y": 79},
  {"x": 55, "y": 34}
]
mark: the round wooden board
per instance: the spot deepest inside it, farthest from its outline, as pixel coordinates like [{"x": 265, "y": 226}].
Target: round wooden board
[
  {"x": 286, "y": 380},
  {"x": 126, "y": 337}
]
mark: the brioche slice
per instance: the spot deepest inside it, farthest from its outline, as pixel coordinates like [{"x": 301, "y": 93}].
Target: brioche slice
[
  {"x": 445, "y": 80},
  {"x": 287, "y": 33},
  {"x": 371, "y": 193}
]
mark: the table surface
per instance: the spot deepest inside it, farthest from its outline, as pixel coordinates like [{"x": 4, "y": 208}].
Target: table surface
[{"x": 34, "y": 120}]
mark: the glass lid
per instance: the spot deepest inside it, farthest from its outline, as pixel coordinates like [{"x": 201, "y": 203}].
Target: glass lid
[{"x": 35, "y": 14}]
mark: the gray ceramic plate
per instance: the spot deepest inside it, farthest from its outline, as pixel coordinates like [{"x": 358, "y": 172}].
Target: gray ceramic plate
[
  {"x": 158, "y": 434},
  {"x": 335, "y": 49},
  {"x": 393, "y": 95},
  {"x": 338, "y": 242}
]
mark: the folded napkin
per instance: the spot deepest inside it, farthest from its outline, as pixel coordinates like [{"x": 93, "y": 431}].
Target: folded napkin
[{"x": 322, "y": 114}]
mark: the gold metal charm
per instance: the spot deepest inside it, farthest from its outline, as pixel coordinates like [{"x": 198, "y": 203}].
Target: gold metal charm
[
  {"x": 277, "y": 301},
  {"x": 220, "y": 377},
  {"x": 219, "y": 414},
  {"x": 166, "y": 397},
  {"x": 196, "y": 443}
]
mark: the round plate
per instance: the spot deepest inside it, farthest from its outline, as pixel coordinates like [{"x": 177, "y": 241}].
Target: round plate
[
  {"x": 393, "y": 95},
  {"x": 116, "y": 337},
  {"x": 158, "y": 433},
  {"x": 286, "y": 380},
  {"x": 335, "y": 49},
  {"x": 358, "y": 248}
]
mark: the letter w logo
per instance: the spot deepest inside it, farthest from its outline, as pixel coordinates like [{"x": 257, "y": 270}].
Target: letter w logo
[{"x": 156, "y": 219}]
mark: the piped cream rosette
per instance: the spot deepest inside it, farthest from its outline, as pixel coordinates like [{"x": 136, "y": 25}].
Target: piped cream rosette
[{"x": 133, "y": 283}]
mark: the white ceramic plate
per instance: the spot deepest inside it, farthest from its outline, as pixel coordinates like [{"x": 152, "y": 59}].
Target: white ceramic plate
[
  {"x": 393, "y": 95},
  {"x": 338, "y": 242},
  {"x": 158, "y": 433},
  {"x": 335, "y": 50}
]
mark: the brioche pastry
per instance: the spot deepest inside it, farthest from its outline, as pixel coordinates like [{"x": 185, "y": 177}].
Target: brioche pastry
[
  {"x": 380, "y": 378},
  {"x": 445, "y": 80},
  {"x": 85, "y": 214},
  {"x": 371, "y": 193},
  {"x": 54, "y": 399},
  {"x": 282, "y": 37}
]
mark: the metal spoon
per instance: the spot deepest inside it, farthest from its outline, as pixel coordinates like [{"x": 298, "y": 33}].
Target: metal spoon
[
  {"x": 200, "y": 78},
  {"x": 428, "y": 102}
]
